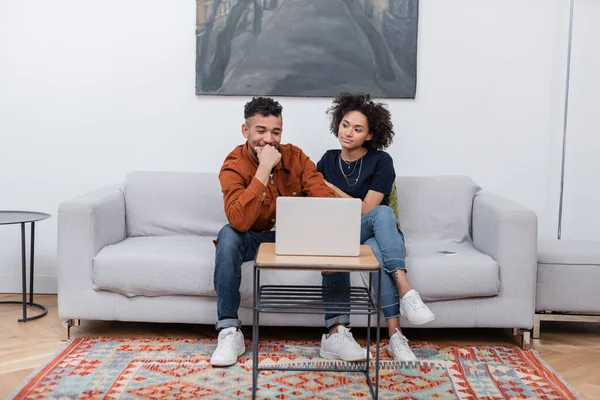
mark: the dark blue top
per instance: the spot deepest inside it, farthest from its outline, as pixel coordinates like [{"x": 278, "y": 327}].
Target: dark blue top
[{"x": 375, "y": 171}]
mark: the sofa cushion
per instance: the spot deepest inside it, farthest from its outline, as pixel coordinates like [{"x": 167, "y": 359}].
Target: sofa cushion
[
  {"x": 393, "y": 203},
  {"x": 433, "y": 208},
  {"x": 173, "y": 203},
  {"x": 178, "y": 265},
  {"x": 184, "y": 265},
  {"x": 575, "y": 252},
  {"x": 156, "y": 266},
  {"x": 579, "y": 295},
  {"x": 575, "y": 261},
  {"x": 468, "y": 273}
]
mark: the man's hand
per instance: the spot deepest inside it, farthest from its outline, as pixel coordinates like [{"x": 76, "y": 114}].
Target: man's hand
[{"x": 268, "y": 156}]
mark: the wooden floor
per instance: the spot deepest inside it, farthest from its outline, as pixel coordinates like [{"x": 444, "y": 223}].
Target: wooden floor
[{"x": 572, "y": 349}]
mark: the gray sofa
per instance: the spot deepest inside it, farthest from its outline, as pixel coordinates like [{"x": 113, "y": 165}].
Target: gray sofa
[{"x": 143, "y": 251}]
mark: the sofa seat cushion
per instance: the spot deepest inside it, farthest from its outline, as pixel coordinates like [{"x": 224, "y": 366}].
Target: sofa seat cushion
[
  {"x": 573, "y": 252},
  {"x": 572, "y": 261},
  {"x": 178, "y": 265},
  {"x": 156, "y": 266},
  {"x": 469, "y": 273}
]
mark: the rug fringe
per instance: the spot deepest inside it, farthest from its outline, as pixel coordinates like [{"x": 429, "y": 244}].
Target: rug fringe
[{"x": 383, "y": 364}]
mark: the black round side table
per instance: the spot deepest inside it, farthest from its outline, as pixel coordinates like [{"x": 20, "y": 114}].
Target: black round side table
[{"x": 25, "y": 217}]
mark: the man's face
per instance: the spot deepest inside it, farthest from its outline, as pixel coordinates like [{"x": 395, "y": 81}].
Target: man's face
[{"x": 262, "y": 131}]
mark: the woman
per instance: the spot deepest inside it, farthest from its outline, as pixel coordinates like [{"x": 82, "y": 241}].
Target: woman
[{"x": 360, "y": 169}]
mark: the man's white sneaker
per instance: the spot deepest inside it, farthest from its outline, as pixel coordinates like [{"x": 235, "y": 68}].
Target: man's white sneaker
[
  {"x": 399, "y": 348},
  {"x": 413, "y": 308},
  {"x": 341, "y": 345},
  {"x": 230, "y": 347}
]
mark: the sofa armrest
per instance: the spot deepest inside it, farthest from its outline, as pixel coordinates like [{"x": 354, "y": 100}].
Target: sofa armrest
[
  {"x": 85, "y": 225},
  {"x": 507, "y": 232}
]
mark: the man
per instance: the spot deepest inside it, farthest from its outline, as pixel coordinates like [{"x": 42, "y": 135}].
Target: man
[{"x": 252, "y": 177}]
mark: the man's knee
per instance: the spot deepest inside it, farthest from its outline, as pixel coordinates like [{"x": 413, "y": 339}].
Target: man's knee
[
  {"x": 231, "y": 245},
  {"x": 230, "y": 239}
]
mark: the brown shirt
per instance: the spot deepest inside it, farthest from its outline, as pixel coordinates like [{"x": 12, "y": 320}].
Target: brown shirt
[{"x": 250, "y": 205}]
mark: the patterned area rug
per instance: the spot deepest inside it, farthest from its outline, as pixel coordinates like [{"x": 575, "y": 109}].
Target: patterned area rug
[{"x": 106, "y": 368}]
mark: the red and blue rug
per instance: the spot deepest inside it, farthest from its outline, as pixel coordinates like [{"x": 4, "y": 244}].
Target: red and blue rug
[{"x": 158, "y": 368}]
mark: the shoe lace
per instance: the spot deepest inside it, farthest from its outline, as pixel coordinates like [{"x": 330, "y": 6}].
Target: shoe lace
[
  {"x": 399, "y": 342},
  {"x": 415, "y": 302},
  {"x": 227, "y": 340},
  {"x": 346, "y": 337}
]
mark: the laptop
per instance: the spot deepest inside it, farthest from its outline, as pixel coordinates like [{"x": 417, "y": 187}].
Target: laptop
[{"x": 318, "y": 226}]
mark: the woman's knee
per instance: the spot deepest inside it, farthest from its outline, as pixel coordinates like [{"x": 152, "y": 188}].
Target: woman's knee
[{"x": 383, "y": 211}]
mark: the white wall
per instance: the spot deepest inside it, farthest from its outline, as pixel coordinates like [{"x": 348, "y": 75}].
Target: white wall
[
  {"x": 92, "y": 90},
  {"x": 581, "y": 207}
]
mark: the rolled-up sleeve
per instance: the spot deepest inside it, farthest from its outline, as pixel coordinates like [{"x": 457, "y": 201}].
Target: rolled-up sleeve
[{"x": 242, "y": 204}]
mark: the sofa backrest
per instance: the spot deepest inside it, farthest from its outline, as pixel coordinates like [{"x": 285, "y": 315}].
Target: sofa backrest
[
  {"x": 432, "y": 208},
  {"x": 173, "y": 203}
]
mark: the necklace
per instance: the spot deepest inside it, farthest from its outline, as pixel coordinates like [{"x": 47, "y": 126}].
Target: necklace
[
  {"x": 349, "y": 163},
  {"x": 355, "y": 180}
]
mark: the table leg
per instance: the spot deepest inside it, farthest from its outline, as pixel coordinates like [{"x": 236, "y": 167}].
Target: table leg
[
  {"x": 367, "y": 370},
  {"x": 24, "y": 302},
  {"x": 377, "y": 340},
  {"x": 31, "y": 258},
  {"x": 255, "y": 332},
  {"x": 24, "y": 271}
]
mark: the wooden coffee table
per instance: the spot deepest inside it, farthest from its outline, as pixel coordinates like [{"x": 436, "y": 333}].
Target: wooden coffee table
[{"x": 309, "y": 299}]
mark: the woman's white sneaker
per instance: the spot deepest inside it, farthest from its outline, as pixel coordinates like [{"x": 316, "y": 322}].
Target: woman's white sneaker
[
  {"x": 399, "y": 349},
  {"x": 413, "y": 308},
  {"x": 230, "y": 347}
]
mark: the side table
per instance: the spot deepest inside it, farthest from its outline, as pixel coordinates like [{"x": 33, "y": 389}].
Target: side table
[
  {"x": 25, "y": 217},
  {"x": 310, "y": 299}
]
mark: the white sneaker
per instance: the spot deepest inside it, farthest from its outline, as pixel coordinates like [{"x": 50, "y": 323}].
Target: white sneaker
[
  {"x": 342, "y": 346},
  {"x": 230, "y": 347},
  {"x": 413, "y": 308},
  {"x": 399, "y": 348}
]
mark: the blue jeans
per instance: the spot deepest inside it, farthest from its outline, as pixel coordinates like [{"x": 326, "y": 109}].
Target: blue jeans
[
  {"x": 379, "y": 230},
  {"x": 233, "y": 248}
]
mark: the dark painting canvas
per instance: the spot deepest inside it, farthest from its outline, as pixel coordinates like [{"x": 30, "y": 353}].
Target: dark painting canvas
[{"x": 306, "y": 47}]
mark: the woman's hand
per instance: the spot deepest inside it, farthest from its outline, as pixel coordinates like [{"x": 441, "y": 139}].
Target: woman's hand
[
  {"x": 338, "y": 192},
  {"x": 335, "y": 189}
]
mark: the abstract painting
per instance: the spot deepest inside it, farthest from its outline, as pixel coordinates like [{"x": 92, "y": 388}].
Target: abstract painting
[{"x": 306, "y": 48}]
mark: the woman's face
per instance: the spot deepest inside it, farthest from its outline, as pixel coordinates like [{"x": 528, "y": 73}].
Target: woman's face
[{"x": 354, "y": 130}]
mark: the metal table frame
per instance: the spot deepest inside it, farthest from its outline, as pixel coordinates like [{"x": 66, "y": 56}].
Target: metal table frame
[
  {"x": 309, "y": 299},
  {"x": 24, "y": 302}
]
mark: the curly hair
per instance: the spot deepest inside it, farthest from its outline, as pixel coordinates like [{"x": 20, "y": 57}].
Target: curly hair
[
  {"x": 378, "y": 118},
  {"x": 264, "y": 106}
]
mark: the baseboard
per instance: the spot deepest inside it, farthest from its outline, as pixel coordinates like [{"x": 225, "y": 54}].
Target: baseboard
[{"x": 43, "y": 284}]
